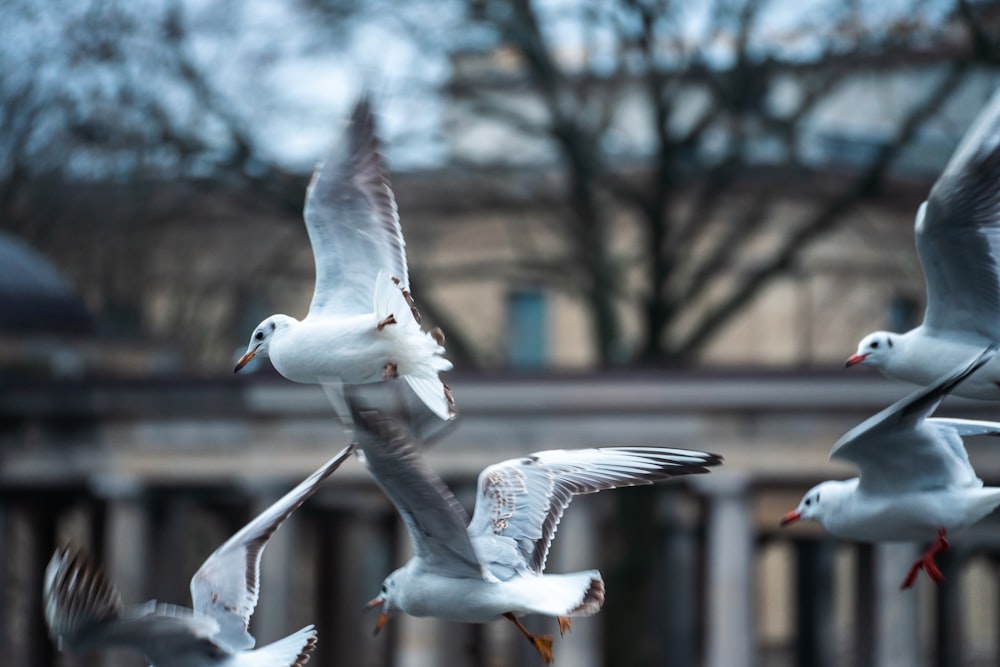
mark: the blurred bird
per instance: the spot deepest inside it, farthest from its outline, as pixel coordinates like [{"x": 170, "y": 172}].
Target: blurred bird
[
  {"x": 362, "y": 324},
  {"x": 492, "y": 567},
  {"x": 84, "y": 610},
  {"x": 958, "y": 240},
  {"x": 915, "y": 477}
]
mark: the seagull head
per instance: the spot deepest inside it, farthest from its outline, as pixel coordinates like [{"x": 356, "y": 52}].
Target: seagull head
[
  {"x": 262, "y": 337},
  {"x": 873, "y": 349},
  {"x": 383, "y": 601},
  {"x": 818, "y": 502}
]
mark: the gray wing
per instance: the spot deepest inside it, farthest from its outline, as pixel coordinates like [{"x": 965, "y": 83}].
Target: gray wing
[
  {"x": 899, "y": 449},
  {"x": 353, "y": 225},
  {"x": 84, "y": 611},
  {"x": 227, "y": 585},
  {"x": 524, "y": 499},
  {"x": 958, "y": 234},
  {"x": 434, "y": 520}
]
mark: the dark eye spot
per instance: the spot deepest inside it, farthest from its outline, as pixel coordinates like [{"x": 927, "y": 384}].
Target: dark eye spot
[
  {"x": 259, "y": 335},
  {"x": 817, "y": 498},
  {"x": 808, "y": 502},
  {"x": 874, "y": 345},
  {"x": 889, "y": 341}
]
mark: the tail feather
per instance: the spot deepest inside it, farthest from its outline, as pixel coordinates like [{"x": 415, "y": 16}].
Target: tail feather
[
  {"x": 571, "y": 594},
  {"x": 593, "y": 599}
]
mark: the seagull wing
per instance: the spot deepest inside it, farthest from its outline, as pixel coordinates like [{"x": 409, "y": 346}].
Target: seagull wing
[
  {"x": 227, "y": 585},
  {"x": 524, "y": 499},
  {"x": 353, "y": 223},
  {"x": 433, "y": 518},
  {"x": 84, "y": 611},
  {"x": 900, "y": 449},
  {"x": 958, "y": 234}
]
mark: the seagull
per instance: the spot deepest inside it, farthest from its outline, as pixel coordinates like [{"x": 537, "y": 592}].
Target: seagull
[
  {"x": 492, "y": 566},
  {"x": 84, "y": 610},
  {"x": 915, "y": 478},
  {"x": 362, "y": 325},
  {"x": 958, "y": 240}
]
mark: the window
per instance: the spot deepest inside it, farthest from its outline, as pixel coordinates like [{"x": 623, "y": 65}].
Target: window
[{"x": 526, "y": 328}]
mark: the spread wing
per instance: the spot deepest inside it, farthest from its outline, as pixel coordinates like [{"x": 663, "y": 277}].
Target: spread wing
[
  {"x": 524, "y": 499},
  {"x": 226, "y": 587},
  {"x": 958, "y": 234},
  {"x": 353, "y": 225},
  {"x": 900, "y": 449},
  {"x": 434, "y": 520}
]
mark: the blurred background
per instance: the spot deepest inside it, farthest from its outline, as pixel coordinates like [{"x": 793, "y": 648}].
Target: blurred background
[{"x": 638, "y": 222}]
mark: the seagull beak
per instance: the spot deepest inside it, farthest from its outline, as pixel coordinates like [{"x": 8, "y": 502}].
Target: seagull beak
[
  {"x": 383, "y": 617},
  {"x": 791, "y": 517},
  {"x": 855, "y": 359},
  {"x": 245, "y": 358}
]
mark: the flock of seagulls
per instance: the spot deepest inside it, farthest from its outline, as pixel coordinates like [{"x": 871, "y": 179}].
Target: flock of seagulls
[{"x": 363, "y": 333}]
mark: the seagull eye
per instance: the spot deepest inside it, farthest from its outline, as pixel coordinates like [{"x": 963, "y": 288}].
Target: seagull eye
[
  {"x": 808, "y": 502},
  {"x": 259, "y": 335},
  {"x": 874, "y": 345}
]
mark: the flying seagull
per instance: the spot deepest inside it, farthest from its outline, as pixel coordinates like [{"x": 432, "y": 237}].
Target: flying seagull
[
  {"x": 915, "y": 481},
  {"x": 958, "y": 240},
  {"x": 362, "y": 325},
  {"x": 84, "y": 610},
  {"x": 492, "y": 567}
]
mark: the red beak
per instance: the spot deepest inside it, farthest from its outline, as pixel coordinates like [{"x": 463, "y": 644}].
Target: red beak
[
  {"x": 245, "y": 358},
  {"x": 383, "y": 617},
  {"x": 791, "y": 517},
  {"x": 854, "y": 359}
]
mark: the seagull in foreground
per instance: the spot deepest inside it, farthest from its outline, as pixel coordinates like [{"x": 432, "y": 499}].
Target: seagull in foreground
[
  {"x": 915, "y": 477},
  {"x": 958, "y": 240},
  {"x": 362, "y": 324},
  {"x": 492, "y": 567},
  {"x": 84, "y": 610}
]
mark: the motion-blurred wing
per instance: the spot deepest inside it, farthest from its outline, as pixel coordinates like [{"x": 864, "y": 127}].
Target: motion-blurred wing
[
  {"x": 353, "y": 225},
  {"x": 958, "y": 234}
]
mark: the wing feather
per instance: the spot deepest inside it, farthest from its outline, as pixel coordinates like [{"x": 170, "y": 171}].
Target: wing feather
[
  {"x": 524, "y": 499},
  {"x": 352, "y": 221},
  {"x": 227, "y": 585}
]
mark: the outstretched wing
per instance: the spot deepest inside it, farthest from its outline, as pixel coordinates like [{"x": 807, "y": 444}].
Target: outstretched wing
[
  {"x": 434, "y": 520},
  {"x": 353, "y": 225},
  {"x": 524, "y": 499},
  {"x": 227, "y": 585},
  {"x": 900, "y": 449},
  {"x": 958, "y": 233}
]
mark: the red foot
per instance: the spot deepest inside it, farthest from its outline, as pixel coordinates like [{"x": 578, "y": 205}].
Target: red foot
[{"x": 926, "y": 562}]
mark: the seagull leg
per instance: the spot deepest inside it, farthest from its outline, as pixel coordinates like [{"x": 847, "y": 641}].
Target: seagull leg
[
  {"x": 389, "y": 319},
  {"x": 542, "y": 643},
  {"x": 926, "y": 561},
  {"x": 564, "y": 625}
]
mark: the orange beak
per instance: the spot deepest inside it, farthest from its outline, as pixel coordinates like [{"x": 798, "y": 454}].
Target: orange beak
[
  {"x": 791, "y": 517},
  {"x": 383, "y": 617},
  {"x": 246, "y": 358},
  {"x": 854, "y": 359}
]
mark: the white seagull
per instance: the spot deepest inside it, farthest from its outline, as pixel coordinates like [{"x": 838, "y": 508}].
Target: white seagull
[
  {"x": 492, "y": 567},
  {"x": 915, "y": 478},
  {"x": 362, "y": 324},
  {"x": 84, "y": 610},
  {"x": 958, "y": 240}
]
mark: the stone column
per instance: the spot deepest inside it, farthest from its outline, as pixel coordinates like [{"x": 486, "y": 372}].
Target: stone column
[
  {"x": 896, "y": 623},
  {"x": 729, "y": 637}
]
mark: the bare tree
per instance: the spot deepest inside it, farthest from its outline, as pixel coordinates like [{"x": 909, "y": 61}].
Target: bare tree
[{"x": 715, "y": 170}]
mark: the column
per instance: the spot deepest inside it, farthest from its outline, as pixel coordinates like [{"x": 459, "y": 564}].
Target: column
[{"x": 729, "y": 638}]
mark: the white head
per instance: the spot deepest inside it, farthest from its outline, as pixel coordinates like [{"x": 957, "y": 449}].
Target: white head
[
  {"x": 874, "y": 349},
  {"x": 262, "y": 336},
  {"x": 819, "y": 501},
  {"x": 384, "y": 600}
]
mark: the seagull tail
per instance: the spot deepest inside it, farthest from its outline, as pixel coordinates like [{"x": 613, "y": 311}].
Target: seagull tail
[
  {"x": 572, "y": 594},
  {"x": 292, "y": 651}
]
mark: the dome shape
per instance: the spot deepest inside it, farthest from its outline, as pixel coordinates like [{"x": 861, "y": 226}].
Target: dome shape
[{"x": 34, "y": 297}]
